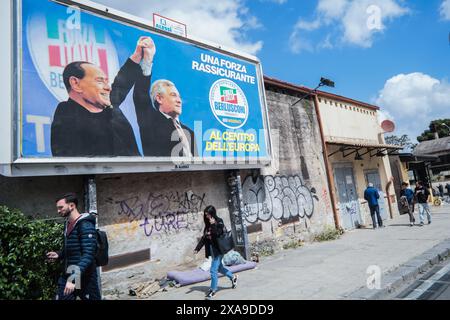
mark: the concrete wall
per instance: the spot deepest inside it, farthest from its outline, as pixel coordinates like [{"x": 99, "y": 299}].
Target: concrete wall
[
  {"x": 360, "y": 122},
  {"x": 162, "y": 212},
  {"x": 290, "y": 200},
  {"x": 36, "y": 196}
]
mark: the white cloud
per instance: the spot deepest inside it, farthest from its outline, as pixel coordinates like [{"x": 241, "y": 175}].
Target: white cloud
[
  {"x": 332, "y": 9},
  {"x": 222, "y": 22},
  {"x": 413, "y": 100},
  {"x": 354, "y": 22},
  {"x": 445, "y": 9}
]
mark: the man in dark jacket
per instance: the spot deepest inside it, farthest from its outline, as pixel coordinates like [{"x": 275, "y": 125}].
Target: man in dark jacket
[
  {"x": 158, "y": 112},
  {"x": 422, "y": 194},
  {"x": 371, "y": 195},
  {"x": 408, "y": 196},
  {"x": 80, "y": 245},
  {"x": 90, "y": 122}
]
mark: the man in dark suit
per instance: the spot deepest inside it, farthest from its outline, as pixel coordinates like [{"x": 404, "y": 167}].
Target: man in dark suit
[
  {"x": 158, "y": 111},
  {"x": 90, "y": 123}
]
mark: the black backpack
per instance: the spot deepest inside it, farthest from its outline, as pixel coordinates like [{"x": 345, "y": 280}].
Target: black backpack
[{"x": 101, "y": 256}]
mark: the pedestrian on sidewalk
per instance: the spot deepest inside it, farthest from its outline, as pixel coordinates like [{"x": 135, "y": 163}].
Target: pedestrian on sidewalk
[
  {"x": 408, "y": 196},
  {"x": 422, "y": 196},
  {"x": 214, "y": 228},
  {"x": 441, "y": 190},
  {"x": 371, "y": 195},
  {"x": 78, "y": 253},
  {"x": 447, "y": 186}
]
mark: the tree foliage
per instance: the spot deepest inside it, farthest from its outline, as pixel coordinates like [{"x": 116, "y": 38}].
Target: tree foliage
[
  {"x": 24, "y": 271},
  {"x": 441, "y": 126}
]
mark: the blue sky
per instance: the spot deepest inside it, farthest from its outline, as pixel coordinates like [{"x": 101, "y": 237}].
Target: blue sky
[{"x": 391, "y": 53}]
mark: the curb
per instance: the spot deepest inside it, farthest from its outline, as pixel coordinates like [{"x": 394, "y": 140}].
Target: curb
[{"x": 405, "y": 273}]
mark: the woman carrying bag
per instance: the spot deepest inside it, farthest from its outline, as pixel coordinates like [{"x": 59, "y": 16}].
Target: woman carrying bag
[{"x": 214, "y": 229}]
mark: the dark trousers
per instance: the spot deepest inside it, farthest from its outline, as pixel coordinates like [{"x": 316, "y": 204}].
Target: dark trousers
[
  {"x": 411, "y": 213},
  {"x": 375, "y": 210},
  {"x": 89, "y": 289}
]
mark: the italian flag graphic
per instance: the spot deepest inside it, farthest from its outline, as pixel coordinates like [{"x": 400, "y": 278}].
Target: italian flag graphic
[
  {"x": 61, "y": 53},
  {"x": 228, "y": 95}
]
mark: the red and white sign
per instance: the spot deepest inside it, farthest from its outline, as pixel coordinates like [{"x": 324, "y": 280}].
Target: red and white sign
[
  {"x": 388, "y": 126},
  {"x": 169, "y": 25}
]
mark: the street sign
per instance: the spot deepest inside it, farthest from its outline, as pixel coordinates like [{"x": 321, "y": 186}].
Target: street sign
[{"x": 169, "y": 25}]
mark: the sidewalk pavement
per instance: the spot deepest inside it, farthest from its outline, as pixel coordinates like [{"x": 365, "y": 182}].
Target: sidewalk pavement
[{"x": 338, "y": 269}]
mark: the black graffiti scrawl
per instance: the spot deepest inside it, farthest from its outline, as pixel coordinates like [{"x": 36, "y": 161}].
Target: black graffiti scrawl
[{"x": 267, "y": 197}]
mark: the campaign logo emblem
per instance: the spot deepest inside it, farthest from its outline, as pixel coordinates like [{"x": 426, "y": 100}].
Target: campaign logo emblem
[
  {"x": 54, "y": 43},
  {"x": 228, "y": 103}
]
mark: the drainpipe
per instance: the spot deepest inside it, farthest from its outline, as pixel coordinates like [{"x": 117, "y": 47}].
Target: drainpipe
[
  {"x": 328, "y": 170},
  {"x": 388, "y": 185},
  {"x": 90, "y": 206}
]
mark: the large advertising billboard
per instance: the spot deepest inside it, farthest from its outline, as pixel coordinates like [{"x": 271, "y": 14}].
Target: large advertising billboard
[{"x": 94, "y": 86}]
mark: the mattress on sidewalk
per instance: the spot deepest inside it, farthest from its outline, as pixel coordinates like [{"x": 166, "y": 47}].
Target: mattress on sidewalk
[{"x": 198, "y": 275}]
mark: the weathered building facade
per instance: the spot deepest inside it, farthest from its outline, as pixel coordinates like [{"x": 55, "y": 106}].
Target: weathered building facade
[{"x": 358, "y": 155}]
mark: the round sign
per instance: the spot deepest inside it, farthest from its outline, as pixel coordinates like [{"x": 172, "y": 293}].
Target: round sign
[
  {"x": 54, "y": 43},
  {"x": 228, "y": 103},
  {"x": 388, "y": 126}
]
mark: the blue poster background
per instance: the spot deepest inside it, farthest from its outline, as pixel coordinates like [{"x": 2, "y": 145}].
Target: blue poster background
[{"x": 173, "y": 61}]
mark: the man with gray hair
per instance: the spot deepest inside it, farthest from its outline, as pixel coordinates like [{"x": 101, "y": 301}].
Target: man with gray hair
[
  {"x": 371, "y": 195},
  {"x": 158, "y": 111}
]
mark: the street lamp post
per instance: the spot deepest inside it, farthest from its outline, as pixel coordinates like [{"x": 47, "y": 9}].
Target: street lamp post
[{"x": 323, "y": 82}]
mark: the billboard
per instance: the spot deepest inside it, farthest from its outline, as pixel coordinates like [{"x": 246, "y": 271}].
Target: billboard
[{"x": 96, "y": 87}]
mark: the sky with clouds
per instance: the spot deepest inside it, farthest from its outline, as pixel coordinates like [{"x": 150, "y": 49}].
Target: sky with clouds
[{"x": 392, "y": 53}]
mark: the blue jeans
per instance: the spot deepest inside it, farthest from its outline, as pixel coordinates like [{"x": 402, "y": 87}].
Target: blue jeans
[
  {"x": 423, "y": 207},
  {"x": 217, "y": 266}
]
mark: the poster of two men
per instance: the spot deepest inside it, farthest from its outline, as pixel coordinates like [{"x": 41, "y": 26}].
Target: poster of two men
[{"x": 97, "y": 87}]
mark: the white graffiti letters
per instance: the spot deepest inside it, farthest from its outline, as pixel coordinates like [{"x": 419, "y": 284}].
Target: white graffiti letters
[{"x": 276, "y": 197}]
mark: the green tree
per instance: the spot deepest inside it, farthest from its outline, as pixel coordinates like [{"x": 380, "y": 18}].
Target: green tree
[
  {"x": 24, "y": 271},
  {"x": 441, "y": 126}
]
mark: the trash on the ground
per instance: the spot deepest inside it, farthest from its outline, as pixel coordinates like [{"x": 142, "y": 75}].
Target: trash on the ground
[
  {"x": 233, "y": 258},
  {"x": 145, "y": 289}
]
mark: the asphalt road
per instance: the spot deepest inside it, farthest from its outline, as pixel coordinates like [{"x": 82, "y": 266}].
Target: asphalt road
[{"x": 434, "y": 285}]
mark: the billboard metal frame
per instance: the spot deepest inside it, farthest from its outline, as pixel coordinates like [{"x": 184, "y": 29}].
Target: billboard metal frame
[{"x": 11, "y": 164}]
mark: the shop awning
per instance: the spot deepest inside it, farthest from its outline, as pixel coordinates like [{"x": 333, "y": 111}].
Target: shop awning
[{"x": 373, "y": 149}]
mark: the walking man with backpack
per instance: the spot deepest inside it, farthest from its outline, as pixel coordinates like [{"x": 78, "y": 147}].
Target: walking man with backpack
[
  {"x": 79, "y": 252},
  {"x": 408, "y": 200}
]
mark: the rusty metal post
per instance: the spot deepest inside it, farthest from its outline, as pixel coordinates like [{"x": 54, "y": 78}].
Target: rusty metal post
[{"x": 328, "y": 170}]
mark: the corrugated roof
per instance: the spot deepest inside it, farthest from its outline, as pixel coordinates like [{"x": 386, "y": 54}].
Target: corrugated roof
[
  {"x": 436, "y": 146},
  {"x": 365, "y": 144}
]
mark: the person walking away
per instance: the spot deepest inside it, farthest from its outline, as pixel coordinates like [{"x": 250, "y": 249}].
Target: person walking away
[
  {"x": 447, "y": 186},
  {"x": 409, "y": 197},
  {"x": 371, "y": 195},
  {"x": 214, "y": 228},
  {"x": 441, "y": 190}
]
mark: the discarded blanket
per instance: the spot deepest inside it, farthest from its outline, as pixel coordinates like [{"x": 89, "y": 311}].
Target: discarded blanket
[{"x": 184, "y": 278}]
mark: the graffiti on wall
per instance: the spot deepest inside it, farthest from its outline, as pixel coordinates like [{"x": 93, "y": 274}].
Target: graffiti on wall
[
  {"x": 162, "y": 213},
  {"x": 267, "y": 197}
]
